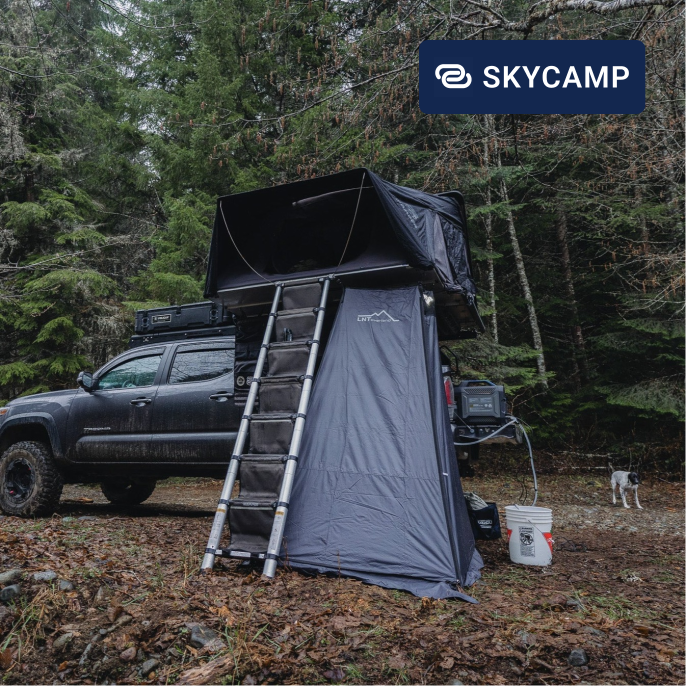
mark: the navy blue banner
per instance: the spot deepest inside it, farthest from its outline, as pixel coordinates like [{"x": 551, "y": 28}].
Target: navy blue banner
[{"x": 532, "y": 77}]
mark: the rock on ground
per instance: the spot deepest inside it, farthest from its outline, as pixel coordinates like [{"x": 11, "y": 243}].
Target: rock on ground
[
  {"x": 10, "y": 592},
  {"x": 48, "y": 575},
  {"x": 10, "y": 575},
  {"x": 128, "y": 655},
  {"x": 202, "y": 636},
  {"x": 63, "y": 640},
  {"x": 148, "y": 666},
  {"x": 578, "y": 657}
]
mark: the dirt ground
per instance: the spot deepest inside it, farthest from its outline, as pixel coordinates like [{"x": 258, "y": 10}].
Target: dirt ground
[{"x": 615, "y": 589}]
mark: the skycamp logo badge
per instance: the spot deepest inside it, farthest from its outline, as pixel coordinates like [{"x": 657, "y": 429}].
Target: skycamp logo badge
[
  {"x": 532, "y": 77},
  {"x": 382, "y": 316}
]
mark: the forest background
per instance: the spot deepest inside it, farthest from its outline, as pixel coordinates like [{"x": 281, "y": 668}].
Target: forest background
[{"x": 122, "y": 122}]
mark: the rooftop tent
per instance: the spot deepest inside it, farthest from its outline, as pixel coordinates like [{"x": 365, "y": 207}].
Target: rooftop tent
[
  {"x": 377, "y": 493},
  {"x": 354, "y": 224}
]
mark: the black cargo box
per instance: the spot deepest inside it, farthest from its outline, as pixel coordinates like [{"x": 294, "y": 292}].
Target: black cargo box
[{"x": 181, "y": 318}]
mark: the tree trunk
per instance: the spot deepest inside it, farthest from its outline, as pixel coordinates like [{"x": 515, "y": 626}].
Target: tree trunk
[
  {"x": 645, "y": 240},
  {"x": 29, "y": 187},
  {"x": 523, "y": 279},
  {"x": 489, "y": 235},
  {"x": 577, "y": 334}
]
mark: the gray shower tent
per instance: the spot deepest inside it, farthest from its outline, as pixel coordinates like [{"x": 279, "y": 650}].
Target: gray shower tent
[{"x": 377, "y": 493}]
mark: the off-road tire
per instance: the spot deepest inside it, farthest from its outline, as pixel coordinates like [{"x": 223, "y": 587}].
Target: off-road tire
[
  {"x": 128, "y": 493},
  {"x": 30, "y": 484}
]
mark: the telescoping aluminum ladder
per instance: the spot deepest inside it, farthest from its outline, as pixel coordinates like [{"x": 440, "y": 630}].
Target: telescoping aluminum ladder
[{"x": 265, "y": 471}]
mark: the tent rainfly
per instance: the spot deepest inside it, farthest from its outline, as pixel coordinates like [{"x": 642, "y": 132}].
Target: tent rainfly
[
  {"x": 377, "y": 493},
  {"x": 353, "y": 224}
]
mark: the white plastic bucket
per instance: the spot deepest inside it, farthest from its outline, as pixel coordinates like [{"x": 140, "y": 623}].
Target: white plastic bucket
[{"x": 528, "y": 534}]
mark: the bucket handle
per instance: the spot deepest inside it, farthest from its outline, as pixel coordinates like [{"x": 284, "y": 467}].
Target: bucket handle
[{"x": 535, "y": 527}]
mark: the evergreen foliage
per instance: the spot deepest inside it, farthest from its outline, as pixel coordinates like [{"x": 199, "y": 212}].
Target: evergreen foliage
[{"x": 119, "y": 129}]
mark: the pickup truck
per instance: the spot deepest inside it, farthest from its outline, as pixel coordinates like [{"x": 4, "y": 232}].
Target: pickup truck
[
  {"x": 169, "y": 406},
  {"x": 160, "y": 410}
]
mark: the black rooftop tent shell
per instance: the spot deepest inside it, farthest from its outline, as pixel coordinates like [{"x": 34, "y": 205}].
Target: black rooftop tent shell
[{"x": 353, "y": 224}]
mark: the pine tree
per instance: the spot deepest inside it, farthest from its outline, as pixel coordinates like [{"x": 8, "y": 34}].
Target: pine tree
[{"x": 72, "y": 178}]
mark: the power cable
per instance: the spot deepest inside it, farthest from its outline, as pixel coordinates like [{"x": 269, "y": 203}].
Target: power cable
[{"x": 518, "y": 423}]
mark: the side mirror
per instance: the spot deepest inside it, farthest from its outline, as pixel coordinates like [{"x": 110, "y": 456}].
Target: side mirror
[{"x": 85, "y": 380}]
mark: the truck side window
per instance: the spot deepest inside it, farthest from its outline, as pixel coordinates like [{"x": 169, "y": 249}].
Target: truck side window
[
  {"x": 200, "y": 365},
  {"x": 134, "y": 373}
]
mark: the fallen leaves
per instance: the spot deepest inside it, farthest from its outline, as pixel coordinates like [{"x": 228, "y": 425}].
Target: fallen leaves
[
  {"x": 5, "y": 658},
  {"x": 343, "y": 623},
  {"x": 113, "y": 612},
  {"x": 301, "y": 629},
  {"x": 397, "y": 662},
  {"x": 226, "y": 615},
  {"x": 448, "y": 663},
  {"x": 556, "y": 602}
]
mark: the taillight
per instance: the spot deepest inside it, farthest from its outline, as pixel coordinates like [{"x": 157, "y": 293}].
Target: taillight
[{"x": 449, "y": 391}]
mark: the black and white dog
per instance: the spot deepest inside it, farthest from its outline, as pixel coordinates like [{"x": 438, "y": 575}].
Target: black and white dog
[{"x": 627, "y": 481}]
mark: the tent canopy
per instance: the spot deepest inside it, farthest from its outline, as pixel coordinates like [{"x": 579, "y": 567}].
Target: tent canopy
[
  {"x": 377, "y": 493},
  {"x": 353, "y": 224}
]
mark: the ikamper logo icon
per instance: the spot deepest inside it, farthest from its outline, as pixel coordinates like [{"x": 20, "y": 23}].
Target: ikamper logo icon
[{"x": 532, "y": 77}]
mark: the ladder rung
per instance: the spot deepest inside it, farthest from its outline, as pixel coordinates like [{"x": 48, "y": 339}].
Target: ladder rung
[
  {"x": 241, "y": 554},
  {"x": 292, "y": 313},
  {"x": 253, "y": 503},
  {"x": 266, "y": 459},
  {"x": 281, "y": 345},
  {"x": 273, "y": 416}
]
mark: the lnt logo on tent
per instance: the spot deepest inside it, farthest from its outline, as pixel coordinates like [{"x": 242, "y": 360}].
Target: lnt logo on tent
[{"x": 382, "y": 316}]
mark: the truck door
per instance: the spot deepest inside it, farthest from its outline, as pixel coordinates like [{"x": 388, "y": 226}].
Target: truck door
[
  {"x": 195, "y": 419},
  {"x": 113, "y": 422}
]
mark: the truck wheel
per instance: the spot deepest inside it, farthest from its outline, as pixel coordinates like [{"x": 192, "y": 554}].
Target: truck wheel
[
  {"x": 127, "y": 492},
  {"x": 30, "y": 485}
]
